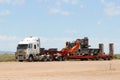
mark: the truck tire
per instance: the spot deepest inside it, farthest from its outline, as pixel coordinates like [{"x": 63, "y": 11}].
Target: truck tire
[
  {"x": 45, "y": 59},
  {"x": 31, "y": 58}
]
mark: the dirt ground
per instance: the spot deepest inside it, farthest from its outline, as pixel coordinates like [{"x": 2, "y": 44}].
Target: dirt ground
[{"x": 67, "y": 70}]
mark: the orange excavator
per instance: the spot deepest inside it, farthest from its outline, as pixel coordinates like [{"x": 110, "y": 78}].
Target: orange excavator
[{"x": 71, "y": 48}]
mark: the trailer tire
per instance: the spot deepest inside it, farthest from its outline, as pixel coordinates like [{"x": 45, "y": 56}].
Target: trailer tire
[
  {"x": 110, "y": 58},
  {"x": 97, "y": 59},
  {"x": 60, "y": 58},
  {"x": 82, "y": 59},
  {"x": 64, "y": 58},
  {"x": 51, "y": 58}
]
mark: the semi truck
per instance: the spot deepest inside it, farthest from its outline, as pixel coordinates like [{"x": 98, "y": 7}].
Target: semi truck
[{"x": 29, "y": 49}]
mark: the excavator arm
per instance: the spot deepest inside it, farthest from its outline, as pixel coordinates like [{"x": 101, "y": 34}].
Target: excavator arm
[{"x": 73, "y": 49}]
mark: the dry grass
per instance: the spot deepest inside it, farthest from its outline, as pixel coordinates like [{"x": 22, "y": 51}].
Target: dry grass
[
  {"x": 116, "y": 56},
  {"x": 7, "y": 57}
]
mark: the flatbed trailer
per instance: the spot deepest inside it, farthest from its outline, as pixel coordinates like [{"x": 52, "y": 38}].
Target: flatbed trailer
[
  {"x": 60, "y": 56},
  {"x": 90, "y": 57}
]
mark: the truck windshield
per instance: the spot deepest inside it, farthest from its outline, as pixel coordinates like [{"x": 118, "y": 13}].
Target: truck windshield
[{"x": 22, "y": 46}]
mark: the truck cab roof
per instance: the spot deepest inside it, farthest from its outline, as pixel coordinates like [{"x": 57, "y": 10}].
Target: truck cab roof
[{"x": 29, "y": 40}]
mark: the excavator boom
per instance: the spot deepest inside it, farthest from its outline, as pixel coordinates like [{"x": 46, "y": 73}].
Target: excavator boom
[{"x": 71, "y": 49}]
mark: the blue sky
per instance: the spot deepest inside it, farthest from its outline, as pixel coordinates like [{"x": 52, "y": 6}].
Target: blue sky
[{"x": 58, "y": 21}]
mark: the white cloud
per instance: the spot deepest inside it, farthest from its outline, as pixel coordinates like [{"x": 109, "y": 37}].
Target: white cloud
[
  {"x": 1, "y": 20},
  {"x": 82, "y": 6},
  {"x": 7, "y": 38},
  {"x": 60, "y": 3},
  {"x": 8, "y": 43},
  {"x": 71, "y": 32},
  {"x": 65, "y": 13},
  {"x": 110, "y": 8},
  {"x": 12, "y": 2},
  {"x": 73, "y": 2},
  {"x": 99, "y": 22},
  {"x": 59, "y": 11},
  {"x": 58, "y": 7},
  {"x": 42, "y": 0},
  {"x": 5, "y": 12},
  {"x": 102, "y": 1},
  {"x": 112, "y": 11},
  {"x": 54, "y": 10},
  {"x": 54, "y": 42}
]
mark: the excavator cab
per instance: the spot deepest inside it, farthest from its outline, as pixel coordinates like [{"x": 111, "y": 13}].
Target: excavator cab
[{"x": 84, "y": 43}]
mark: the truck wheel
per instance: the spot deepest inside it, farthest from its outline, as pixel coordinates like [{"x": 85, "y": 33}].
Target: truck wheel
[
  {"x": 31, "y": 58},
  {"x": 45, "y": 59}
]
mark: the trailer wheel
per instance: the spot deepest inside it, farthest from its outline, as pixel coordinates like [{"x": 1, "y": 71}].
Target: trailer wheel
[
  {"x": 97, "y": 59},
  {"x": 50, "y": 58},
  {"x": 110, "y": 58},
  {"x": 82, "y": 59},
  {"x": 60, "y": 58},
  {"x": 64, "y": 58}
]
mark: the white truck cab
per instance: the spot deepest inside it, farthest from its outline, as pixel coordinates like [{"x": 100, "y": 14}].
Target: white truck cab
[{"x": 28, "y": 48}]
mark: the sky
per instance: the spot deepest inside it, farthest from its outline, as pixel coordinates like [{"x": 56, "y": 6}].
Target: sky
[{"x": 58, "y": 21}]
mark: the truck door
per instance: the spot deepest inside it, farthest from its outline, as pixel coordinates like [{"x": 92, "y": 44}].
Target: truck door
[
  {"x": 35, "y": 48},
  {"x": 30, "y": 50}
]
